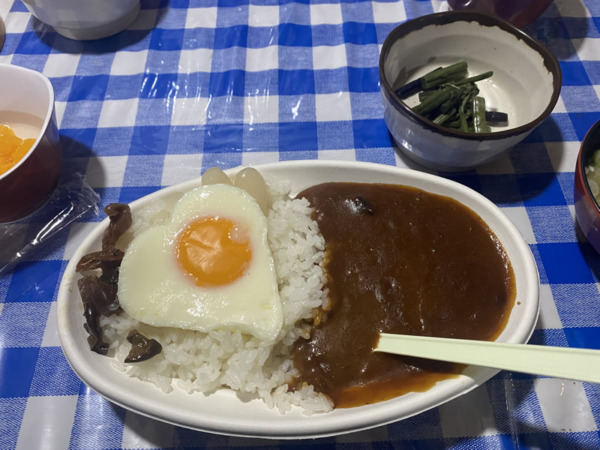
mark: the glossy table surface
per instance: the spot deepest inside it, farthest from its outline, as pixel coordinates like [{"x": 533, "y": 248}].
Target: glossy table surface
[{"x": 194, "y": 84}]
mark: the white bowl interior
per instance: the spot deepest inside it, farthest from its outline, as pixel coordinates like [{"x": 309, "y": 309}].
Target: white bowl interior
[
  {"x": 26, "y": 102},
  {"x": 223, "y": 412},
  {"x": 521, "y": 86},
  {"x": 25, "y": 91}
]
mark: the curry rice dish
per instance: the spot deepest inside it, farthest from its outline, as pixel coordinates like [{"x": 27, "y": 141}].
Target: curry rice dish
[{"x": 352, "y": 260}]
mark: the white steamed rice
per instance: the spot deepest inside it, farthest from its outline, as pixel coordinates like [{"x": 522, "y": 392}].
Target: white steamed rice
[{"x": 206, "y": 362}]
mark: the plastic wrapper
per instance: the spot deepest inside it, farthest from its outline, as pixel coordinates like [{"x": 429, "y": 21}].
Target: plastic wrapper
[{"x": 72, "y": 199}]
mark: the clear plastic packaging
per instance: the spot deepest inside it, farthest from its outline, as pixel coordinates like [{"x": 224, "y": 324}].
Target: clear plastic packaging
[{"x": 72, "y": 199}]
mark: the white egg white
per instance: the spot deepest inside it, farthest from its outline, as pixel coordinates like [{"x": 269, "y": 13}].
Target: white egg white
[{"x": 155, "y": 290}]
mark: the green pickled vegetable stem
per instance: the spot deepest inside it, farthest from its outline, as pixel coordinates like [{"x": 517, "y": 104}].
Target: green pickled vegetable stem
[
  {"x": 479, "y": 121},
  {"x": 444, "y": 117},
  {"x": 439, "y": 76},
  {"x": 450, "y": 98},
  {"x": 432, "y": 102},
  {"x": 462, "y": 114},
  {"x": 474, "y": 78}
]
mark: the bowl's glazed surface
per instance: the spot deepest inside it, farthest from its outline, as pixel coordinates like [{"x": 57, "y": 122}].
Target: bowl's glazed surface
[{"x": 587, "y": 210}]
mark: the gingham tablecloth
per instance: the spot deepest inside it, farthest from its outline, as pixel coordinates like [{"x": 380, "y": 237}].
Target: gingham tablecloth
[{"x": 194, "y": 84}]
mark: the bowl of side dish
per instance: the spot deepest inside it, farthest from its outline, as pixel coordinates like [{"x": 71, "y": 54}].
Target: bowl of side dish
[
  {"x": 587, "y": 186},
  {"x": 30, "y": 155},
  {"x": 461, "y": 88}
]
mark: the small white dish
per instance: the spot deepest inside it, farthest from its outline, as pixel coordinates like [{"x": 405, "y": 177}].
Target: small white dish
[{"x": 225, "y": 413}]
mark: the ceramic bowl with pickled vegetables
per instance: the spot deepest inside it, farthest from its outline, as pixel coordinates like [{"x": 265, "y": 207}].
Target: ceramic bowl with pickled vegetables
[
  {"x": 461, "y": 88},
  {"x": 587, "y": 186},
  {"x": 30, "y": 156}
]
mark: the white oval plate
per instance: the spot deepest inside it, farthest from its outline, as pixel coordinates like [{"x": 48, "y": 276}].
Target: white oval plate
[{"x": 225, "y": 413}]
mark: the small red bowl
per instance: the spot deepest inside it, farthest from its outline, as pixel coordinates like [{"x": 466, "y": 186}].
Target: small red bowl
[
  {"x": 27, "y": 106},
  {"x": 520, "y": 13},
  {"x": 587, "y": 210}
]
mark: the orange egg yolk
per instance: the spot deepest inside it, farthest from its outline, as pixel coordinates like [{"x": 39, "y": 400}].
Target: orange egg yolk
[
  {"x": 12, "y": 148},
  {"x": 213, "y": 251}
]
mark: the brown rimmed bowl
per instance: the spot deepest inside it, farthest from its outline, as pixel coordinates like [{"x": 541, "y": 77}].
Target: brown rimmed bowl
[{"x": 525, "y": 85}]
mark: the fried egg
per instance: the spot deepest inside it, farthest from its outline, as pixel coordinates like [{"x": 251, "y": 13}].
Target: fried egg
[{"x": 209, "y": 268}]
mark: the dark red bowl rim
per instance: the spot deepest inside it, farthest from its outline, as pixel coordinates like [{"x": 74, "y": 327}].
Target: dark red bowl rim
[
  {"x": 589, "y": 144},
  {"x": 444, "y": 18}
]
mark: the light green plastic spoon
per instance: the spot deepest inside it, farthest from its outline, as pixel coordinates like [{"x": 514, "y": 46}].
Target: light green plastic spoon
[{"x": 557, "y": 362}]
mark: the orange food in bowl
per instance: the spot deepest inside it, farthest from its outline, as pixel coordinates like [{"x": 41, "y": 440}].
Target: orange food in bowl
[{"x": 12, "y": 148}]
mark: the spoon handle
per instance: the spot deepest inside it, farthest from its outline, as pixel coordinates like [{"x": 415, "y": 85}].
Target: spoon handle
[{"x": 570, "y": 363}]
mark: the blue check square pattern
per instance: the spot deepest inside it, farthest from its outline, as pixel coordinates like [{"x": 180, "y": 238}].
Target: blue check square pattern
[{"x": 194, "y": 84}]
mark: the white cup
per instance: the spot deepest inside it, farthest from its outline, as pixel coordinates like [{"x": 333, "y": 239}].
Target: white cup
[{"x": 85, "y": 19}]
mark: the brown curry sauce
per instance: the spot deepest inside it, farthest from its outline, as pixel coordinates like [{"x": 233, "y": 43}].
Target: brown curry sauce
[{"x": 399, "y": 260}]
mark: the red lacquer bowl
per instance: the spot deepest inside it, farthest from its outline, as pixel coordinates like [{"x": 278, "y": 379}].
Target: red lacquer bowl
[
  {"x": 587, "y": 210},
  {"x": 518, "y": 12},
  {"x": 27, "y": 106}
]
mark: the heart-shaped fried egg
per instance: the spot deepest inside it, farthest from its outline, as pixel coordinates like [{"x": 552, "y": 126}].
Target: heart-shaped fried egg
[{"x": 209, "y": 268}]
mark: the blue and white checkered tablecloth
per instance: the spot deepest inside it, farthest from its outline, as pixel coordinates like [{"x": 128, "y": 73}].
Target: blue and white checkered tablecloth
[{"x": 199, "y": 83}]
